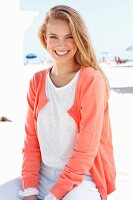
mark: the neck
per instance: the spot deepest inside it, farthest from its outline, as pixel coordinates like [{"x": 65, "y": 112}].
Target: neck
[{"x": 63, "y": 69}]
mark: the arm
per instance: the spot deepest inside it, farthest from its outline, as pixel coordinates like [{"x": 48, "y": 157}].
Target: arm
[
  {"x": 31, "y": 150},
  {"x": 87, "y": 139}
]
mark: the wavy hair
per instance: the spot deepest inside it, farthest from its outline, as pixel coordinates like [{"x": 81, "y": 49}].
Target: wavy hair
[{"x": 85, "y": 55}]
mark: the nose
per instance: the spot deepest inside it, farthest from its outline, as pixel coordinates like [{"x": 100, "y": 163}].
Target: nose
[{"x": 61, "y": 43}]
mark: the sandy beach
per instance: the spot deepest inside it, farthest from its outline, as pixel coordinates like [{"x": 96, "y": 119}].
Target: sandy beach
[{"x": 121, "y": 111}]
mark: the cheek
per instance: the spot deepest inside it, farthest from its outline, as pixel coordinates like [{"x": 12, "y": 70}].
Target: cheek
[
  {"x": 74, "y": 47},
  {"x": 50, "y": 45}
]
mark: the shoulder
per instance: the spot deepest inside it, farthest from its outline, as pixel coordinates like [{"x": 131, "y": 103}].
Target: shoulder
[
  {"x": 40, "y": 75},
  {"x": 90, "y": 72},
  {"x": 90, "y": 75},
  {"x": 38, "y": 78},
  {"x": 92, "y": 84}
]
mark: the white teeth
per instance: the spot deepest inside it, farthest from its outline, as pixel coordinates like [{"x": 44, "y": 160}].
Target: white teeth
[{"x": 61, "y": 52}]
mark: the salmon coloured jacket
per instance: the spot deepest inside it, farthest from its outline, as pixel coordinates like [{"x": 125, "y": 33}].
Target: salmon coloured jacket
[{"x": 93, "y": 151}]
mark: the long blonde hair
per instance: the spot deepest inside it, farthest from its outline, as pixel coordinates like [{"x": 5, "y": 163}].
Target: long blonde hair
[{"x": 85, "y": 55}]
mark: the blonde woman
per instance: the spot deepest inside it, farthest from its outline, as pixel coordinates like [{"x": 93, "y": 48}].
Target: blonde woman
[{"x": 68, "y": 151}]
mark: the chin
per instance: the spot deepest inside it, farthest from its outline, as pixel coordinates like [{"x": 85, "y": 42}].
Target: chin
[{"x": 63, "y": 60}]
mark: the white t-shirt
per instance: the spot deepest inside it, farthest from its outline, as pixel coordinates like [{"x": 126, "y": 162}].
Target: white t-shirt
[{"x": 56, "y": 128}]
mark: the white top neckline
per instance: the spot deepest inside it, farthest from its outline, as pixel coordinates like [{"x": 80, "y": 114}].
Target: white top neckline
[{"x": 65, "y": 86}]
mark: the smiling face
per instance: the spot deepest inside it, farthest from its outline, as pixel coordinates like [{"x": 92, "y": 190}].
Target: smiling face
[{"x": 60, "y": 42}]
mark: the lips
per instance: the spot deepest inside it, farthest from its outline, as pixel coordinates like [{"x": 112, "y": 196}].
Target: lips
[{"x": 61, "y": 53}]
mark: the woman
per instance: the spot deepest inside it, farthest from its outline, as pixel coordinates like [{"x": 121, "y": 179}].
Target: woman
[{"x": 68, "y": 151}]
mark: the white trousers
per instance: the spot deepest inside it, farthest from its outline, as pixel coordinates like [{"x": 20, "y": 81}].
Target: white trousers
[{"x": 86, "y": 190}]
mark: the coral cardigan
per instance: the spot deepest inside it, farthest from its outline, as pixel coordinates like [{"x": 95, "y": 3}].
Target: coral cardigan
[{"x": 93, "y": 149}]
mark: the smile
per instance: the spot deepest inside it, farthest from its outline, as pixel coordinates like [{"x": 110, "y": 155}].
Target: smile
[{"x": 61, "y": 53}]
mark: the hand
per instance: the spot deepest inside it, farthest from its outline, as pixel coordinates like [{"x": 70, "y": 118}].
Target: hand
[{"x": 32, "y": 197}]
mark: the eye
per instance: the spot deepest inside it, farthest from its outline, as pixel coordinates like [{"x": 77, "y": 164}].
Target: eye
[
  {"x": 70, "y": 37},
  {"x": 53, "y": 37}
]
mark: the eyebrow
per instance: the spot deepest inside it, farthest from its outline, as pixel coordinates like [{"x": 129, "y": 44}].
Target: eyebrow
[{"x": 57, "y": 35}]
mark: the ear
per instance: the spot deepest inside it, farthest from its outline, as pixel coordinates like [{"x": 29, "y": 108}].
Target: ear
[{"x": 45, "y": 38}]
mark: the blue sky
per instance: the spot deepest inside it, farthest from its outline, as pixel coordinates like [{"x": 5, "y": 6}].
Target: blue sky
[{"x": 109, "y": 21}]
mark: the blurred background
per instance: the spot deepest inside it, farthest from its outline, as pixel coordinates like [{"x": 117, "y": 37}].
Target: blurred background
[{"x": 110, "y": 28}]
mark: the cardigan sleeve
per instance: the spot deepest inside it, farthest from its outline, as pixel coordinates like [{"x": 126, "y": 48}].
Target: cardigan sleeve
[
  {"x": 31, "y": 151},
  {"x": 87, "y": 139}
]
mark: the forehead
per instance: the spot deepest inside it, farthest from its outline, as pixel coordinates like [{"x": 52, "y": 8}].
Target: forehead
[{"x": 59, "y": 27}]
